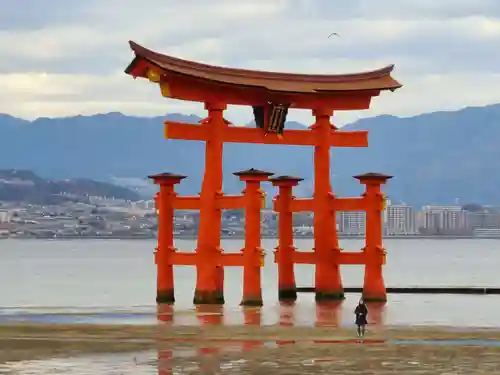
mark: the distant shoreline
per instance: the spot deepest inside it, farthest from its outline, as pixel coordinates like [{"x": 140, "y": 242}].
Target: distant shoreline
[{"x": 341, "y": 237}]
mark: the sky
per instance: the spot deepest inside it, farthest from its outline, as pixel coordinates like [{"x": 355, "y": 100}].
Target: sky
[{"x": 66, "y": 57}]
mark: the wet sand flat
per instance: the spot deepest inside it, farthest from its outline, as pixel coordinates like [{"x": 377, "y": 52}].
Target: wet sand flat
[
  {"x": 372, "y": 359},
  {"x": 295, "y": 349},
  {"x": 250, "y": 332}
]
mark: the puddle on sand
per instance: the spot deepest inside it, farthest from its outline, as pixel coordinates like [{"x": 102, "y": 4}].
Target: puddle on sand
[
  {"x": 102, "y": 364},
  {"x": 175, "y": 361}
]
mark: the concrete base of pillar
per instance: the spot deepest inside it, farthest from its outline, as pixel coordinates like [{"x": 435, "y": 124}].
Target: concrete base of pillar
[
  {"x": 252, "y": 301},
  {"x": 165, "y": 296},
  {"x": 287, "y": 295},
  {"x": 329, "y": 296},
  {"x": 202, "y": 297}
]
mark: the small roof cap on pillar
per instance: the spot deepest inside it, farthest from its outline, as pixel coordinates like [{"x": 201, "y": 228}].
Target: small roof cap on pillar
[
  {"x": 253, "y": 172},
  {"x": 286, "y": 179},
  {"x": 166, "y": 177},
  {"x": 373, "y": 176}
]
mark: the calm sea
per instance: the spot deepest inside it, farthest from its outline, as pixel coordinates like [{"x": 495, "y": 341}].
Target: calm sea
[{"x": 114, "y": 280}]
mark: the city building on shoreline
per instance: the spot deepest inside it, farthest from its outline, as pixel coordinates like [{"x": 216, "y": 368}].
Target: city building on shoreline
[
  {"x": 434, "y": 220},
  {"x": 351, "y": 223},
  {"x": 112, "y": 218},
  {"x": 399, "y": 219}
]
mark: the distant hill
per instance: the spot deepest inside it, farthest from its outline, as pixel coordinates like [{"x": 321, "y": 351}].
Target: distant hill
[
  {"x": 435, "y": 158},
  {"x": 26, "y": 186}
]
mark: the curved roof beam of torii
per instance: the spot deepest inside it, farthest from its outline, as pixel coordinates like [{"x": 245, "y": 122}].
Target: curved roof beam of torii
[{"x": 248, "y": 85}]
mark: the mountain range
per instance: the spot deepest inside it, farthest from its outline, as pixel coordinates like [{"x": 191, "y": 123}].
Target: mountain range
[
  {"x": 25, "y": 186},
  {"x": 435, "y": 158}
]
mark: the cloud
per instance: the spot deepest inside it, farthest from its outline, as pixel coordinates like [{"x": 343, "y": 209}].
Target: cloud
[{"x": 69, "y": 58}]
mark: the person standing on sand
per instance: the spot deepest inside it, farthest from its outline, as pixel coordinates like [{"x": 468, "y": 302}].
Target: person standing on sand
[{"x": 361, "y": 313}]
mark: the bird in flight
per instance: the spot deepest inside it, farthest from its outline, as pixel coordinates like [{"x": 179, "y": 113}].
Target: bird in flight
[{"x": 332, "y": 34}]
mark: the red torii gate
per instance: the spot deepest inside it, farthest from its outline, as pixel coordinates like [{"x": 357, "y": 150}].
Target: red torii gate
[{"x": 270, "y": 95}]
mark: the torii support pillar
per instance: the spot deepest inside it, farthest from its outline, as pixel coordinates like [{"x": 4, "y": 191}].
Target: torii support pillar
[
  {"x": 252, "y": 253},
  {"x": 374, "y": 286},
  {"x": 164, "y": 204},
  {"x": 285, "y": 250}
]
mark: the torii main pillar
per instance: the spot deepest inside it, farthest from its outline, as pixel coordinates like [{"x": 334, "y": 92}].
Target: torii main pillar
[
  {"x": 210, "y": 278},
  {"x": 327, "y": 277}
]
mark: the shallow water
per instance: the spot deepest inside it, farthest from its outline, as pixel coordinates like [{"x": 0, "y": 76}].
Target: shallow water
[
  {"x": 113, "y": 281},
  {"x": 481, "y": 311}
]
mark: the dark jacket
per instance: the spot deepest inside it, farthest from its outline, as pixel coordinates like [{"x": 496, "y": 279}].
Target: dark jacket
[{"x": 361, "y": 312}]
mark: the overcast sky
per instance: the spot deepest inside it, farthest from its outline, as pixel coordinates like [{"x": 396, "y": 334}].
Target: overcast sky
[{"x": 66, "y": 57}]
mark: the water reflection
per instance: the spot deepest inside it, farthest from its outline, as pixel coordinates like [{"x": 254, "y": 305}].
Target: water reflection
[
  {"x": 165, "y": 313},
  {"x": 325, "y": 314},
  {"x": 233, "y": 357},
  {"x": 206, "y": 358},
  {"x": 284, "y": 314},
  {"x": 210, "y": 314},
  {"x": 287, "y": 317},
  {"x": 328, "y": 314},
  {"x": 164, "y": 362},
  {"x": 230, "y": 355},
  {"x": 376, "y": 313},
  {"x": 252, "y": 316}
]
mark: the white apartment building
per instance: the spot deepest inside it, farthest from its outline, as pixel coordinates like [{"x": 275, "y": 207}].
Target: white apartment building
[
  {"x": 5, "y": 216},
  {"x": 143, "y": 205},
  {"x": 351, "y": 222},
  {"x": 483, "y": 220},
  {"x": 399, "y": 219},
  {"x": 443, "y": 219}
]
